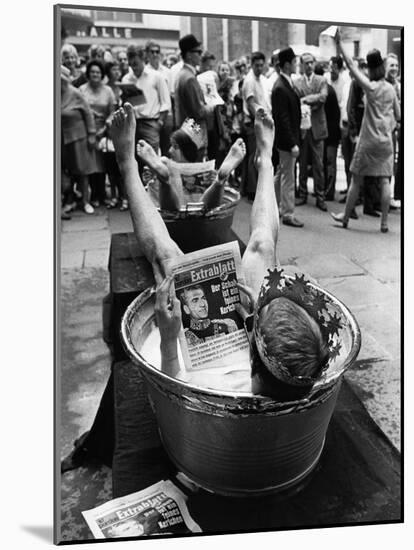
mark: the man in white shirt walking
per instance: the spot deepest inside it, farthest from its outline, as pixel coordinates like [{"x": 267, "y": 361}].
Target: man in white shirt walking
[
  {"x": 151, "y": 114},
  {"x": 153, "y": 53},
  {"x": 255, "y": 94}
]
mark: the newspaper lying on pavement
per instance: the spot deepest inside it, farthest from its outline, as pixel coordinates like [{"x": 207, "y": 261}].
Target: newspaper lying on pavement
[
  {"x": 160, "y": 509},
  {"x": 212, "y": 333}
]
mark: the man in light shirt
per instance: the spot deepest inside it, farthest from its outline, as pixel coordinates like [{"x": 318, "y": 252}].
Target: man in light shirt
[
  {"x": 340, "y": 81},
  {"x": 274, "y": 73},
  {"x": 255, "y": 94},
  {"x": 151, "y": 114},
  {"x": 153, "y": 53},
  {"x": 209, "y": 80}
]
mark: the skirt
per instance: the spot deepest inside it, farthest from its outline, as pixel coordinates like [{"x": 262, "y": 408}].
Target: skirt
[
  {"x": 375, "y": 161},
  {"x": 78, "y": 159}
]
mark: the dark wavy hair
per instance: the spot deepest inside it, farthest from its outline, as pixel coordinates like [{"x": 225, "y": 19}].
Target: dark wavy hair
[
  {"x": 376, "y": 73},
  {"x": 257, "y": 56},
  {"x": 94, "y": 63}
]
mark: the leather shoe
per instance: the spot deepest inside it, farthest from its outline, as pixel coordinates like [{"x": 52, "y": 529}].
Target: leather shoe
[
  {"x": 300, "y": 202},
  {"x": 353, "y": 214},
  {"x": 340, "y": 218},
  {"x": 322, "y": 206},
  {"x": 293, "y": 222}
]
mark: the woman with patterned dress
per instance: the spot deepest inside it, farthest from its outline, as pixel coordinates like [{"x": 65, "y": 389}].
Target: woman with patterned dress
[{"x": 101, "y": 100}]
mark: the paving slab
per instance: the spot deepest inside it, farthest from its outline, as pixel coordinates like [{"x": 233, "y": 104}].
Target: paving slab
[
  {"x": 378, "y": 386},
  {"x": 328, "y": 265},
  {"x": 72, "y": 259},
  {"x": 120, "y": 222},
  {"x": 383, "y": 323},
  {"x": 83, "y": 223},
  {"x": 371, "y": 348},
  {"x": 361, "y": 290},
  {"x": 85, "y": 240},
  {"x": 385, "y": 269},
  {"x": 97, "y": 258}
]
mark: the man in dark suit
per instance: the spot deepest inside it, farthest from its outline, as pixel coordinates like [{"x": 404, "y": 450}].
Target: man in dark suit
[
  {"x": 333, "y": 119},
  {"x": 313, "y": 91},
  {"x": 286, "y": 114},
  {"x": 189, "y": 98}
]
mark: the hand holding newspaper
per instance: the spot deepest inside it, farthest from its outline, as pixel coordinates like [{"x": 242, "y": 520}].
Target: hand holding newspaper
[
  {"x": 205, "y": 281},
  {"x": 160, "y": 509}
]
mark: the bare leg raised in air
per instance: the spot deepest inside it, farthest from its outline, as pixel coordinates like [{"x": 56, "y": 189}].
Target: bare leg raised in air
[
  {"x": 150, "y": 230},
  {"x": 213, "y": 196},
  {"x": 260, "y": 254}
]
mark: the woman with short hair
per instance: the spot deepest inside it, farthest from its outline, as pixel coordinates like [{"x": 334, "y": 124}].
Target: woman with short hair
[
  {"x": 373, "y": 154},
  {"x": 102, "y": 102},
  {"x": 70, "y": 59}
]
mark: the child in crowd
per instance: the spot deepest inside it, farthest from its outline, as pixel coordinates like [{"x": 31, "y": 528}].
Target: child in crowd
[{"x": 186, "y": 147}]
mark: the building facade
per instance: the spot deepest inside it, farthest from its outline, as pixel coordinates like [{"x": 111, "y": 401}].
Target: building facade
[
  {"x": 118, "y": 28},
  {"x": 230, "y": 39},
  {"x": 227, "y": 38}
]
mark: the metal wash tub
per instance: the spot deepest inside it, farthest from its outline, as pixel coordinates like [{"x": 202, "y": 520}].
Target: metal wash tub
[
  {"x": 239, "y": 444},
  {"x": 193, "y": 227}
]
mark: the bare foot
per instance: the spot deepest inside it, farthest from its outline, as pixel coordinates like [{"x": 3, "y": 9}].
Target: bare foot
[
  {"x": 123, "y": 133},
  {"x": 265, "y": 133},
  {"x": 233, "y": 159},
  {"x": 146, "y": 152}
]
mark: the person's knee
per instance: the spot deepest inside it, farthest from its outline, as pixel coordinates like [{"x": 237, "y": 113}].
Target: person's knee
[{"x": 262, "y": 243}]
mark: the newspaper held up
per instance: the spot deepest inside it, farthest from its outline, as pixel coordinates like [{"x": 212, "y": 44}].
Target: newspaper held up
[
  {"x": 205, "y": 281},
  {"x": 190, "y": 180},
  {"x": 160, "y": 509}
]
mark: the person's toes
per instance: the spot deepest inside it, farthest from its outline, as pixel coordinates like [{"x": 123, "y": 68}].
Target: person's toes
[
  {"x": 260, "y": 112},
  {"x": 129, "y": 111},
  {"x": 119, "y": 115}
]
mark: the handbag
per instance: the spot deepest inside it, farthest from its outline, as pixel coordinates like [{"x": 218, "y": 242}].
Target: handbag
[{"x": 106, "y": 145}]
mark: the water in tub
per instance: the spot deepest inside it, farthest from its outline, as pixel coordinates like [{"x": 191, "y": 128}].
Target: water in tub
[{"x": 234, "y": 378}]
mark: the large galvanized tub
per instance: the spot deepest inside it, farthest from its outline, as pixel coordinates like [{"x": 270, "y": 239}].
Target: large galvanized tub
[
  {"x": 193, "y": 227},
  {"x": 238, "y": 444}
]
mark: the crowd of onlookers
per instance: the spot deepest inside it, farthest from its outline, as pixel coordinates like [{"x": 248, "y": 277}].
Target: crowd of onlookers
[{"x": 222, "y": 101}]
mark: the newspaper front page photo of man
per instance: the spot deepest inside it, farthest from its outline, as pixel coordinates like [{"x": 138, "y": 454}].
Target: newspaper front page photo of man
[{"x": 198, "y": 326}]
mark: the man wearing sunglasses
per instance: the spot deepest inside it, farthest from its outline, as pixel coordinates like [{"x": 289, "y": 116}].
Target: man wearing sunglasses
[
  {"x": 154, "y": 57},
  {"x": 189, "y": 98},
  {"x": 152, "y": 112}
]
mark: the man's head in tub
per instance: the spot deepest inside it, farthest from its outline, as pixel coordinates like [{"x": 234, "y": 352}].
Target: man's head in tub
[{"x": 293, "y": 337}]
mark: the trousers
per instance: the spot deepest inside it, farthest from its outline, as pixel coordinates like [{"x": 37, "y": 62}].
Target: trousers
[
  {"x": 314, "y": 148},
  {"x": 285, "y": 184}
]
